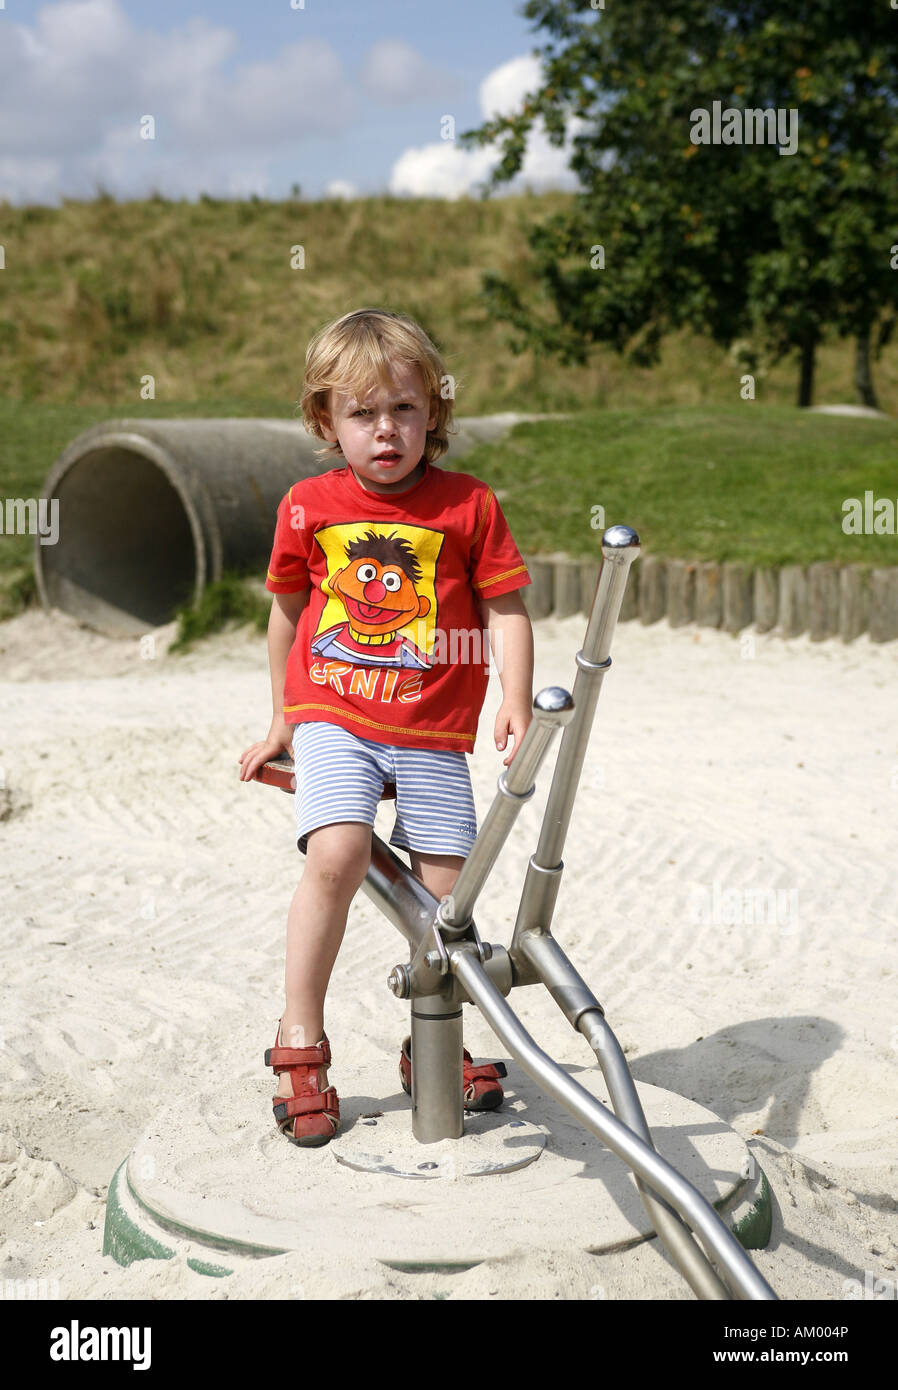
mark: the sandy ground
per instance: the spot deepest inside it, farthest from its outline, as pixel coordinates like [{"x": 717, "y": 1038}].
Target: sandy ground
[{"x": 145, "y": 892}]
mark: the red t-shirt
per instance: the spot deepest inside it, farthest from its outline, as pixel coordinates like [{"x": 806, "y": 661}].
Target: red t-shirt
[{"x": 391, "y": 644}]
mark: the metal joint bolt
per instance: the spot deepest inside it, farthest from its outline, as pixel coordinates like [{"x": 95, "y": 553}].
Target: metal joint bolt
[{"x": 398, "y": 981}]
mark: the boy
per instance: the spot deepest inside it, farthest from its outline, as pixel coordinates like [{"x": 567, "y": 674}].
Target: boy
[{"x": 385, "y": 574}]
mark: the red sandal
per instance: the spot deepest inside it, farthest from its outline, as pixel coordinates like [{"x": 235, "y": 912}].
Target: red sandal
[
  {"x": 315, "y": 1114},
  {"x": 481, "y": 1084}
]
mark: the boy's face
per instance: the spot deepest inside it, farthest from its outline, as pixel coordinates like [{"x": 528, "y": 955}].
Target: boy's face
[{"x": 392, "y": 418}]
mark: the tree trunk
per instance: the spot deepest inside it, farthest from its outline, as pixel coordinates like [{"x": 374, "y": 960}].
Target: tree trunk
[
  {"x": 863, "y": 378},
  {"x": 806, "y": 383}
]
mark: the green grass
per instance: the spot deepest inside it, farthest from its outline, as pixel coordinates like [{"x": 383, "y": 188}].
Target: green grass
[
  {"x": 227, "y": 602},
  {"x": 763, "y": 485},
  {"x": 760, "y": 484}
]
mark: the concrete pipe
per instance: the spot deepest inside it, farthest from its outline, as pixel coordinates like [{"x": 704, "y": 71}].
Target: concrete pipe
[{"x": 150, "y": 511}]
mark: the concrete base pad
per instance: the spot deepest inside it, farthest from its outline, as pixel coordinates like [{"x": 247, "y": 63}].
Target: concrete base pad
[{"x": 212, "y": 1174}]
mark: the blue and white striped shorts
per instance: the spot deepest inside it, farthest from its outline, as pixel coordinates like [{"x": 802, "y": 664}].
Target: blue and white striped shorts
[{"x": 340, "y": 777}]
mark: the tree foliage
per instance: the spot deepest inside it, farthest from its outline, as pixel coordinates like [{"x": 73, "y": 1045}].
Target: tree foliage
[{"x": 737, "y": 241}]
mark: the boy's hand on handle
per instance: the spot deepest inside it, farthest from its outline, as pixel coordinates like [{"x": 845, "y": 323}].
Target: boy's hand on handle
[
  {"x": 514, "y": 719},
  {"x": 278, "y": 740}
]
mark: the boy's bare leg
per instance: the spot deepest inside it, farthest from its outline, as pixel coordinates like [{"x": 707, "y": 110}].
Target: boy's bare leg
[
  {"x": 437, "y": 872},
  {"x": 337, "y": 860}
]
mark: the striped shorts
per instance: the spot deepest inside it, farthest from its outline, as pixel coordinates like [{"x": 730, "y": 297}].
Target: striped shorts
[{"x": 340, "y": 777}]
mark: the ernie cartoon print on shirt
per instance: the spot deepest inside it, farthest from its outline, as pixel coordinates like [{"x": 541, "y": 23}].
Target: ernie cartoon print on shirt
[
  {"x": 392, "y": 642},
  {"x": 381, "y": 588}
]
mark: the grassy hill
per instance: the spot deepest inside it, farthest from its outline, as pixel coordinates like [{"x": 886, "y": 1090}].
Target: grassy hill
[
  {"x": 203, "y": 297},
  {"x": 95, "y": 296}
]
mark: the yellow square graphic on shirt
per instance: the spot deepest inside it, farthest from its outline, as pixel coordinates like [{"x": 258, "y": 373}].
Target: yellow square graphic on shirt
[{"x": 380, "y": 585}]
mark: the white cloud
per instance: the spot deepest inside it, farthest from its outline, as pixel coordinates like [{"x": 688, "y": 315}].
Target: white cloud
[
  {"x": 440, "y": 170},
  {"x": 395, "y": 74},
  {"x": 75, "y": 84},
  {"x": 444, "y": 170},
  {"x": 79, "y": 28},
  {"x": 503, "y": 90}
]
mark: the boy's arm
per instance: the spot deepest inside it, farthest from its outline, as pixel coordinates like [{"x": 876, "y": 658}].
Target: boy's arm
[
  {"x": 511, "y": 640},
  {"x": 286, "y": 610}
]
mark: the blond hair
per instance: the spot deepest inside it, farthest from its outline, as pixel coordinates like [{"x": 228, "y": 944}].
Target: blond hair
[{"x": 354, "y": 353}]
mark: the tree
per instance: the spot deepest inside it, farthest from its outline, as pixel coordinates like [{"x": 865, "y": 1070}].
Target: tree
[{"x": 735, "y": 240}]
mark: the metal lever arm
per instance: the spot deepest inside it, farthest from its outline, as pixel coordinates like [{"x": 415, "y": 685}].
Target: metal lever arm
[
  {"x": 658, "y": 1174},
  {"x": 552, "y": 708}
]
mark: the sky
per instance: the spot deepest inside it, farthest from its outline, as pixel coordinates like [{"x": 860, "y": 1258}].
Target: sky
[{"x": 345, "y": 98}]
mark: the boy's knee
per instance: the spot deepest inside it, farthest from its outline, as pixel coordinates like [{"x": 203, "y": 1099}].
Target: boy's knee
[
  {"x": 338, "y": 863},
  {"x": 340, "y": 879},
  {"x": 343, "y": 878}
]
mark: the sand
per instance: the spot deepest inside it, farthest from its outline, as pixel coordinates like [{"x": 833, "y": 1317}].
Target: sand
[{"x": 145, "y": 897}]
